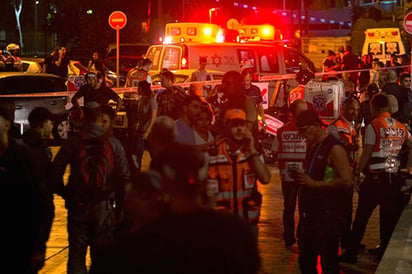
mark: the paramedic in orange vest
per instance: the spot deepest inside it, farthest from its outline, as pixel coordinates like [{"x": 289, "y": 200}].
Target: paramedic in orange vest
[
  {"x": 302, "y": 77},
  {"x": 235, "y": 169},
  {"x": 344, "y": 129},
  {"x": 384, "y": 138},
  {"x": 290, "y": 148},
  {"x": 141, "y": 73}
]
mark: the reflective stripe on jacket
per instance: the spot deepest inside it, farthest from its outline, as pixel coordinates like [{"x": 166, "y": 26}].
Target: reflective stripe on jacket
[
  {"x": 348, "y": 136},
  {"x": 292, "y": 149},
  {"x": 234, "y": 184},
  {"x": 390, "y": 136}
]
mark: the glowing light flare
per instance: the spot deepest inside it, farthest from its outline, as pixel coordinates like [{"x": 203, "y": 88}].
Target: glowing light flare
[
  {"x": 207, "y": 31},
  {"x": 267, "y": 31},
  {"x": 220, "y": 37},
  {"x": 168, "y": 40}
]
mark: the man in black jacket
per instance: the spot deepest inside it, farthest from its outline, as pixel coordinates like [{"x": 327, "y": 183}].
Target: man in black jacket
[{"x": 41, "y": 126}]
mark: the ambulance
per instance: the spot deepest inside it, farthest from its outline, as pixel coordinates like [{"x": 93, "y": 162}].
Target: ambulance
[
  {"x": 382, "y": 43},
  {"x": 249, "y": 46}
]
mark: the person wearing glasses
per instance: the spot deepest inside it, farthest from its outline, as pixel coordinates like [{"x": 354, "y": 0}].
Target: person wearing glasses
[{"x": 324, "y": 183}]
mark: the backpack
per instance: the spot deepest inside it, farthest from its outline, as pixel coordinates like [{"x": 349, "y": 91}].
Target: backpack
[{"x": 96, "y": 165}]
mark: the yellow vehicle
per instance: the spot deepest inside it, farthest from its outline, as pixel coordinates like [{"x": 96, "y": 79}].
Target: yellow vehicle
[{"x": 382, "y": 43}]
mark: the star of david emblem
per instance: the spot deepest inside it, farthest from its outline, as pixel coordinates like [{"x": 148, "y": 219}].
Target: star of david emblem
[
  {"x": 319, "y": 103},
  {"x": 375, "y": 48},
  {"x": 216, "y": 60},
  {"x": 391, "y": 47}
]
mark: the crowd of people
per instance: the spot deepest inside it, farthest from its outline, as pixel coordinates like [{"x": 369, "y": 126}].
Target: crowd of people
[
  {"x": 365, "y": 69},
  {"x": 205, "y": 167},
  {"x": 146, "y": 220}
]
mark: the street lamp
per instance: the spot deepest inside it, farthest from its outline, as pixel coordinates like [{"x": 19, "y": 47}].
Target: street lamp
[
  {"x": 36, "y": 4},
  {"x": 210, "y": 14}
]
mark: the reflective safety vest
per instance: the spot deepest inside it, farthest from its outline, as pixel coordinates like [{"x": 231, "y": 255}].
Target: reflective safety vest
[
  {"x": 390, "y": 136},
  {"x": 348, "y": 137},
  {"x": 135, "y": 76},
  {"x": 234, "y": 184},
  {"x": 292, "y": 150}
]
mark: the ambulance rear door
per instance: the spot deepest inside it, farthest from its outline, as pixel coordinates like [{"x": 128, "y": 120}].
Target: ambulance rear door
[
  {"x": 382, "y": 43},
  {"x": 165, "y": 57}
]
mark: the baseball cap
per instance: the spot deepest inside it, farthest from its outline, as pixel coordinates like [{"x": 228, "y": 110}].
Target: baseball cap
[{"x": 232, "y": 114}]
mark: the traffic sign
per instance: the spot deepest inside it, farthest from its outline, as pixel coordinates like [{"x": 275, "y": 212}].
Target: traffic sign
[
  {"x": 407, "y": 23},
  {"x": 117, "y": 20}
]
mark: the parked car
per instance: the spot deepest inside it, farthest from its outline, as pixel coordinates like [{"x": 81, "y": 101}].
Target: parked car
[{"x": 29, "y": 90}]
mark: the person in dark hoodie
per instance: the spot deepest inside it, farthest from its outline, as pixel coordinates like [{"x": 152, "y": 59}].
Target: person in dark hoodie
[{"x": 41, "y": 126}]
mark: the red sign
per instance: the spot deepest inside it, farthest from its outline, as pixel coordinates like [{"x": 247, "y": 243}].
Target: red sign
[
  {"x": 407, "y": 23},
  {"x": 117, "y": 20}
]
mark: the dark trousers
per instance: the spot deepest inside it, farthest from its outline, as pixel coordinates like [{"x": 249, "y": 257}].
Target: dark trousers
[
  {"x": 381, "y": 189},
  {"x": 319, "y": 236},
  {"x": 140, "y": 146},
  {"x": 290, "y": 194},
  {"x": 89, "y": 225}
]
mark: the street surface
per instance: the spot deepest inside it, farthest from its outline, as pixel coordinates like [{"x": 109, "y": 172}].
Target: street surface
[{"x": 275, "y": 257}]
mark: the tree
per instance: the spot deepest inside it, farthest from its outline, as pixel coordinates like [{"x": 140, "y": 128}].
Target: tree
[{"x": 18, "y": 6}]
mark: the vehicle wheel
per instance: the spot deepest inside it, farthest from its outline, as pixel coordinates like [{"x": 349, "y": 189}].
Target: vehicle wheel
[
  {"x": 61, "y": 128},
  {"x": 266, "y": 146}
]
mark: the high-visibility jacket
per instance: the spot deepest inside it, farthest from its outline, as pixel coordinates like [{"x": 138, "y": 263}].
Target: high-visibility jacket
[
  {"x": 292, "y": 150},
  {"x": 348, "y": 136},
  {"x": 390, "y": 136},
  {"x": 135, "y": 76},
  {"x": 234, "y": 184}
]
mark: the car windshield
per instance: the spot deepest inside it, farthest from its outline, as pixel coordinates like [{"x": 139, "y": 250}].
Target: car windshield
[
  {"x": 134, "y": 50},
  {"x": 125, "y": 63}
]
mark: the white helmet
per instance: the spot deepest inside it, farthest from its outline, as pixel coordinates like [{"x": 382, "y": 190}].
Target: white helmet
[{"x": 12, "y": 46}]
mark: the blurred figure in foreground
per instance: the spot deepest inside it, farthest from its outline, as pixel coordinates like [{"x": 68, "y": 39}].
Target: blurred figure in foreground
[
  {"x": 19, "y": 204},
  {"x": 184, "y": 235}
]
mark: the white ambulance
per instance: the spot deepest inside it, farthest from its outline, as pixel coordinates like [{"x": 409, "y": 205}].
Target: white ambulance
[
  {"x": 382, "y": 43},
  {"x": 185, "y": 43}
]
